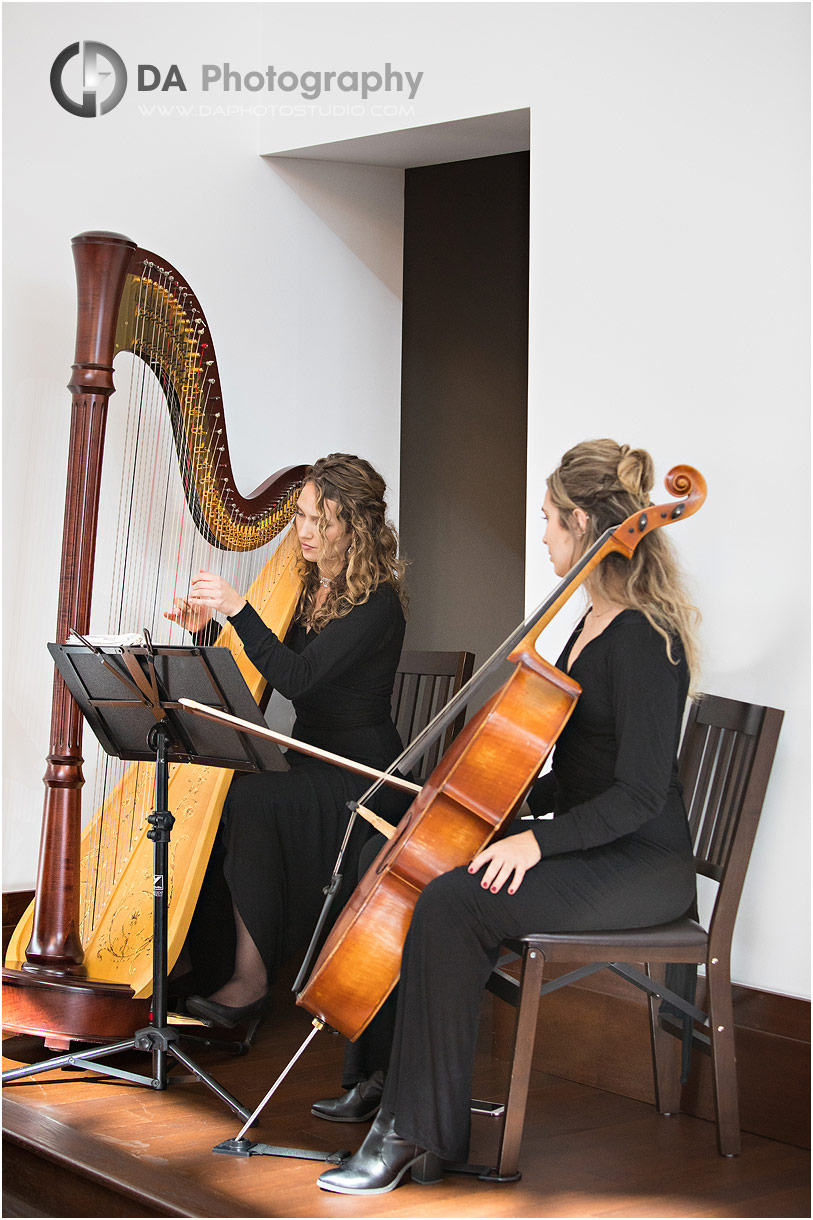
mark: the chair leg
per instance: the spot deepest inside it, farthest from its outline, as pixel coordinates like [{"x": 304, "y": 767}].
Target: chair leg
[
  {"x": 723, "y": 1058},
  {"x": 533, "y": 966},
  {"x": 665, "y": 1052}
]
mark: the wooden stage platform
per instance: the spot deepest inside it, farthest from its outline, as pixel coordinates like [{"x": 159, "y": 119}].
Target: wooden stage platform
[{"x": 78, "y": 1144}]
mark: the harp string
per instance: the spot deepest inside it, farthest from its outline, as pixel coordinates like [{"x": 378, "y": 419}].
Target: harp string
[
  {"x": 103, "y": 853},
  {"x": 160, "y": 537},
  {"x": 117, "y": 827}
]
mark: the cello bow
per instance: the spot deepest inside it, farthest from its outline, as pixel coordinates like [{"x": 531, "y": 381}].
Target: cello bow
[{"x": 302, "y": 747}]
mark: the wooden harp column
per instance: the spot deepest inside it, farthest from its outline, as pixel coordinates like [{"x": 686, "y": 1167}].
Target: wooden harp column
[{"x": 101, "y": 261}]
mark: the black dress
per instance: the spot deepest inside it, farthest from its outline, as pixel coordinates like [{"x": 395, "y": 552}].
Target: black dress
[
  {"x": 280, "y": 832},
  {"x": 616, "y": 854}
]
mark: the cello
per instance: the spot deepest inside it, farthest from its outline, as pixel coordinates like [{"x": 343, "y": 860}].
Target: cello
[{"x": 473, "y": 793}]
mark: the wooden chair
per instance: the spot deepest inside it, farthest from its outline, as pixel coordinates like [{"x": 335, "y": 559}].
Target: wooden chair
[
  {"x": 424, "y": 683},
  {"x": 725, "y": 761}
]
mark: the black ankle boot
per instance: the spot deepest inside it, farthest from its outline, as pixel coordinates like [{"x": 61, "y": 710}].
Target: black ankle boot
[
  {"x": 359, "y": 1104},
  {"x": 380, "y": 1164}
]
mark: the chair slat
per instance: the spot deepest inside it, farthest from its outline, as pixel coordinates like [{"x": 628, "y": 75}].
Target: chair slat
[
  {"x": 731, "y": 796},
  {"x": 717, "y": 811},
  {"x": 424, "y": 684},
  {"x": 699, "y": 819}
]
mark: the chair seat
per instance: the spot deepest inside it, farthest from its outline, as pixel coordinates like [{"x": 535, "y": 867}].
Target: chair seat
[{"x": 682, "y": 940}]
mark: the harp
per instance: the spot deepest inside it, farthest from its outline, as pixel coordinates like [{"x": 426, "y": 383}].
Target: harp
[{"x": 78, "y": 965}]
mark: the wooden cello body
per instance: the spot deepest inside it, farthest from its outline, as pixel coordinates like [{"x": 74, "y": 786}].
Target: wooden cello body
[
  {"x": 471, "y": 796},
  {"x": 80, "y": 958}
]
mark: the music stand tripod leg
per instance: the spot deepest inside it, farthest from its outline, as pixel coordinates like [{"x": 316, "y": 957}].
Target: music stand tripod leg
[{"x": 159, "y": 1038}]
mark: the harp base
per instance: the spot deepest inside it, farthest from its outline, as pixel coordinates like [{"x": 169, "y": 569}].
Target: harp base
[{"x": 78, "y": 1011}]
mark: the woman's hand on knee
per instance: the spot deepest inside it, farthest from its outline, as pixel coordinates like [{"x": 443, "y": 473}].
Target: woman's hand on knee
[{"x": 512, "y": 856}]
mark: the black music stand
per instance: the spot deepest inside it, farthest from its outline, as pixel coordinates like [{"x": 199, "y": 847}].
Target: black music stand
[{"x": 129, "y": 697}]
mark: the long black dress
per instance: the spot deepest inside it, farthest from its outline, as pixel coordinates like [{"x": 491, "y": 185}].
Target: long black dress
[
  {"x": 280, "y": 832},
  {"x": 616, "y": 854}
]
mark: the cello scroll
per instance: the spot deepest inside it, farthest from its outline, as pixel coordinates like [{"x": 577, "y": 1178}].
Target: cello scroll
[{"x": 680, "y": 481}]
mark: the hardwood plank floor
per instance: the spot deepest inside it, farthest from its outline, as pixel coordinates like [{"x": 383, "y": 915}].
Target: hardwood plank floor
[{"x": 77, "y": 1144}]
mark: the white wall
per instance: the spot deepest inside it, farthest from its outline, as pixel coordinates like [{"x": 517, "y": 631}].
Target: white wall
[
  {"x": 669, "y": 303},
  {"x": 306, "y": 316},
  {"x": 669, "y": 309}
]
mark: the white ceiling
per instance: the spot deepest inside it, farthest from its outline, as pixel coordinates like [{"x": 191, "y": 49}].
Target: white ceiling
[{"x": 485, "y": 135}]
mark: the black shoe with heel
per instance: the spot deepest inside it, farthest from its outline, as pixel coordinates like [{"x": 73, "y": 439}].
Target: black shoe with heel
[
  {"x": 381, "y": 1163},
  {"x": 224, "y": 1014},
  {"x": 358, "y": 1104}
]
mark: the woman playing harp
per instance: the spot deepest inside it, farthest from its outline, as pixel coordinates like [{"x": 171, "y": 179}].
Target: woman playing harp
[
  {"x": 87, "y": 936},
  {"x": 280, "y": 832}
]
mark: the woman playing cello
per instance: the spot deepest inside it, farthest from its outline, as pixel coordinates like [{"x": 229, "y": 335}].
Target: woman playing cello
[
  {"x": 280, "y": 831},
  {"x": 616, "y": 853}
]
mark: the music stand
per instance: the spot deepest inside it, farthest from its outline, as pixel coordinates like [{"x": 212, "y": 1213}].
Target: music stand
[{"x": 130, "y": 698}]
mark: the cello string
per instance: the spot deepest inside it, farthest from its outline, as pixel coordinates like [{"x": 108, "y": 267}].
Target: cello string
[{"x": 448, "y": 713}]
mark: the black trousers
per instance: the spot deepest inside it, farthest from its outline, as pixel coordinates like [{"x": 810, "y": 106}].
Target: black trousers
[{"x": 453, "y": 945}]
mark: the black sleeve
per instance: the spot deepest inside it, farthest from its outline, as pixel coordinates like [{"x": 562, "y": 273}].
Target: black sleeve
[
  {"x": 337, "y": 647},
  {"x": 647, "y": 698},
  {"x": 208, "y": 634},
  {"x": 542, "y": 797}
]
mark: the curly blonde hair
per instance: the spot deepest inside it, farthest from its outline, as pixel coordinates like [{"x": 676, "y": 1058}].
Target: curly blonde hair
[
  {"x": 358, "y": 492},
  {"x": 610, "y": 482}
]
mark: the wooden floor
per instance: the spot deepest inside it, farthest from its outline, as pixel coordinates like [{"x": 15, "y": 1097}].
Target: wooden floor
[{"x": 78, "y": 1144}]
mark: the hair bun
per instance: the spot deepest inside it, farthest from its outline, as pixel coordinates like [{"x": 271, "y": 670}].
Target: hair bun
[{"x": 636, "y": 472}]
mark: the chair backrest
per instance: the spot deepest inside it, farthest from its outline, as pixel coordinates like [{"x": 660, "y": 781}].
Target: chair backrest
[
  {"x": 424, "y": 683},
  {"x": 725, "y": 762}
]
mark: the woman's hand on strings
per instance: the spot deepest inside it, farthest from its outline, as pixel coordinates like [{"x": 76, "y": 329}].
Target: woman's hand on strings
[
  {"x": 191, "y": 618},
  {"x": 513, "y": 855},
  {"x": 213, "y": 591}
]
